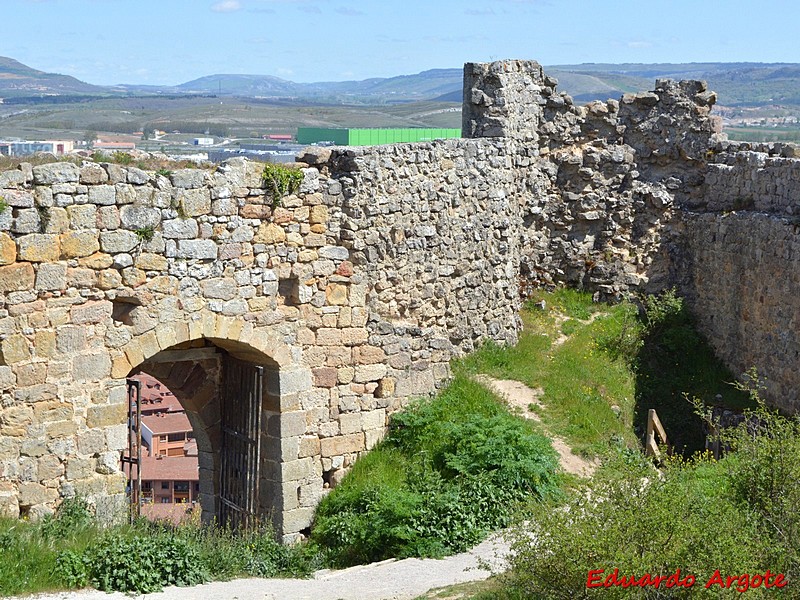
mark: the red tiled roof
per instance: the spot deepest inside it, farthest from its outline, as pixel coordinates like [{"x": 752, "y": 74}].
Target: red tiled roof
[
  {"x": 164, "y": 423},
  {"x": 156, "y": 396},
  {"x": 170, "y": 468}
]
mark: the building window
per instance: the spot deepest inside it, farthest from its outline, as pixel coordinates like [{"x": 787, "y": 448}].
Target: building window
[
  {"x": 176, "y": 437},
  {"x": 181, "y": 486},
  {"x": 165, "y": 485},
  {"x": 166, "y": 500}
]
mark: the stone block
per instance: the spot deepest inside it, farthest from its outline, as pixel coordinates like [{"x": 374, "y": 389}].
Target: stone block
[
  {"x": 151, "y": 262},
  {"x": 82, "y": 216},
  {"x": 92, "y": 173},
  {"x": 415, "y": 383},
  {"x": 373, "y": 436},
  {"x": 139, "y": 217},
  {"x": 336, "y": 294},
  {"x": 342, "y": 444},
  {"x": 39, "y": 247},
  {"x": 109, "y": 279},
  {"x": 269, "y": 233},
  {"x": 329, "y": 337},
  {"x": 50, "y": 467},
  {"x": 297, "y": 470},
  {"x": 296, "y": 520},
  {"x": 309, "y": 446},
  {"x": 352, "y": 336},
  {"x": 195, "y": 202},
  {"x": 183, "y": 229},
  {"x": 83, "y": 278},
  {"x": 118, "y": 241},
  {"x": 188, "y": 178},
  {"x": 91, "y": 367},
  {"x": 137, "y": 176},
  {"x": 15, "y": 420},
  {"x": 16, "y": 277},
  {"x": 197, "y": 249},
  {"x": 98, "y": 260},
  {"x": 15, "y": 348},
  {"x": 365, "y": 373},
  {"x": 294, "y": 381},
  {"x": 7, "y": 378},
  {"x": 8, "y": 249},
  {"x": 222, "y": 288},
  {"x": 374, "y": 419},
  {"x": 91, "y": 312},
  {"x": 103, "y": 194},
  {"x": 30, "y": 374},
  {"x": 59, "y": 172},
  {"x": 79, "y": 468},
  {"x": 34, "y": 493},
  {"x": 106, "y": 415},
  {"x": 325, "y": 377},
  {"x": 350, "y": 423},
  {"x": 51, "y": 276},
  {"x": 368, "y": 355},
  {"x": 92, "y": 442},
  {"x": 318, "y": 214},
  {"x": 108, "y": 217}
]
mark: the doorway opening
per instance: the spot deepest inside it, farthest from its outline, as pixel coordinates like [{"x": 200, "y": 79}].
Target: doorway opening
[{"x": 226, "y": 393}]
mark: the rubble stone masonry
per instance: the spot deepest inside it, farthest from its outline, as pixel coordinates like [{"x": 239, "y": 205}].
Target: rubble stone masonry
[{"x": 357, "y": 291}]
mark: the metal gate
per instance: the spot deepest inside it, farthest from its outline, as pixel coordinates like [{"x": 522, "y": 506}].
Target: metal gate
[
  {"x": 241, "y": 397},
  {"x": 132, "y": 459}
]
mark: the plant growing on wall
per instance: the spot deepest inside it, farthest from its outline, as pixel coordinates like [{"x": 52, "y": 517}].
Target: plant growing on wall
[{"x": 281, "y": 181}]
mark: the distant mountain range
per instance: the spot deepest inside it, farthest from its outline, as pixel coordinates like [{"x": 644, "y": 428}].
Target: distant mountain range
[{"x": 736, "y": 83}]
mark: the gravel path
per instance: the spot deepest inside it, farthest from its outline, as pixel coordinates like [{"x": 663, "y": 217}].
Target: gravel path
[{"x": 388, "y": 580}]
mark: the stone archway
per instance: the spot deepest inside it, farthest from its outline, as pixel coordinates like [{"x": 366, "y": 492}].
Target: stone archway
[
  {"x": 196, "y": 372},
  {"x": 189, "y": 359}
]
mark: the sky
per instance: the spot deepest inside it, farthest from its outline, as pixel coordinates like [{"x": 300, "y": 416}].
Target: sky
[{"x": 168, "y": 42}]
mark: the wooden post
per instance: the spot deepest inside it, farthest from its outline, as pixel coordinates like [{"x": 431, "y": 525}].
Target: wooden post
[{"x": 654, "y": 427}]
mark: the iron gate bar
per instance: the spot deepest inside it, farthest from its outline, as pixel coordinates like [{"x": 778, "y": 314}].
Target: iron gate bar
[
  {"x": 241, "y": 442},
  {"x": 134, "y": 457}
]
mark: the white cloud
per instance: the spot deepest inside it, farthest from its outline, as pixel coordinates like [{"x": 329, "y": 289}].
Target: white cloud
[{"x": 226, "y": 6}]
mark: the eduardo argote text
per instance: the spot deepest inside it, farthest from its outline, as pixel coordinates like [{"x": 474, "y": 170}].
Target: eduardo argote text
[{"x": 599, "y": 578}]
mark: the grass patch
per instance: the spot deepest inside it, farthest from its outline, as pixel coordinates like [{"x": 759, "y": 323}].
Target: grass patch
[
  {"x": 451, "y": 470},
  {"x": 627, "y": 358},
  {"x": 581, "y": 381},
  {"x": 71, "y": 551},
  {"x": 739, "y": 515}
]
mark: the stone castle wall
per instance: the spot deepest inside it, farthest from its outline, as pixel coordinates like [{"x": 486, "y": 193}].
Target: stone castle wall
[
  {"x": 356, "y": 292},
  {"x": 741, "y": 266}
]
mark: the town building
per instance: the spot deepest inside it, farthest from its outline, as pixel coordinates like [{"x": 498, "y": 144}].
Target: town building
[
  {"x": 25, "y": 148},
  {"x": 372, "y": 136}
]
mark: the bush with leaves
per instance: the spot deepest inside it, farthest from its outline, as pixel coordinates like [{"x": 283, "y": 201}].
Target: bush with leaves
[
  {"x": 451, "y": 470},
  {"x": 739, "y": 515},
  {"x": 641, "y": 522},
  {"x": 143, "y": 563}
]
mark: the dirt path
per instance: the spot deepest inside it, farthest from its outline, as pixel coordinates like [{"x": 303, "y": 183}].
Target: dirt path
[
  {"x": 388, "y": 580},
  {"x": 518, "y": 395}
]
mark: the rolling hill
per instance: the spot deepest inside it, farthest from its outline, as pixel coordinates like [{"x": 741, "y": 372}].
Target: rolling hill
[
  {"x": 738, "y": 84},
  {"x": 17, "y": 79}
]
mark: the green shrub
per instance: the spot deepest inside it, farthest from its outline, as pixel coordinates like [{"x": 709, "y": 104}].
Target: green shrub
[
  {"x": 122, "y": 158},
  {"x": 142, "y": 563},
  {"x": 281, "y": 180},
  {"x": 145, "y": 234},
  {"x": 640, "y": 522},
  {"x": 451, "y": 470}
]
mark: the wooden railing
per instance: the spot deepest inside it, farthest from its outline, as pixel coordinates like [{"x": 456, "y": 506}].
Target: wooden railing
[{"x": 654, "y": 427}]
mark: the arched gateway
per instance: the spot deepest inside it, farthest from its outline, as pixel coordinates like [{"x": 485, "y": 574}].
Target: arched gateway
[{"x": 231, "y": 392}]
